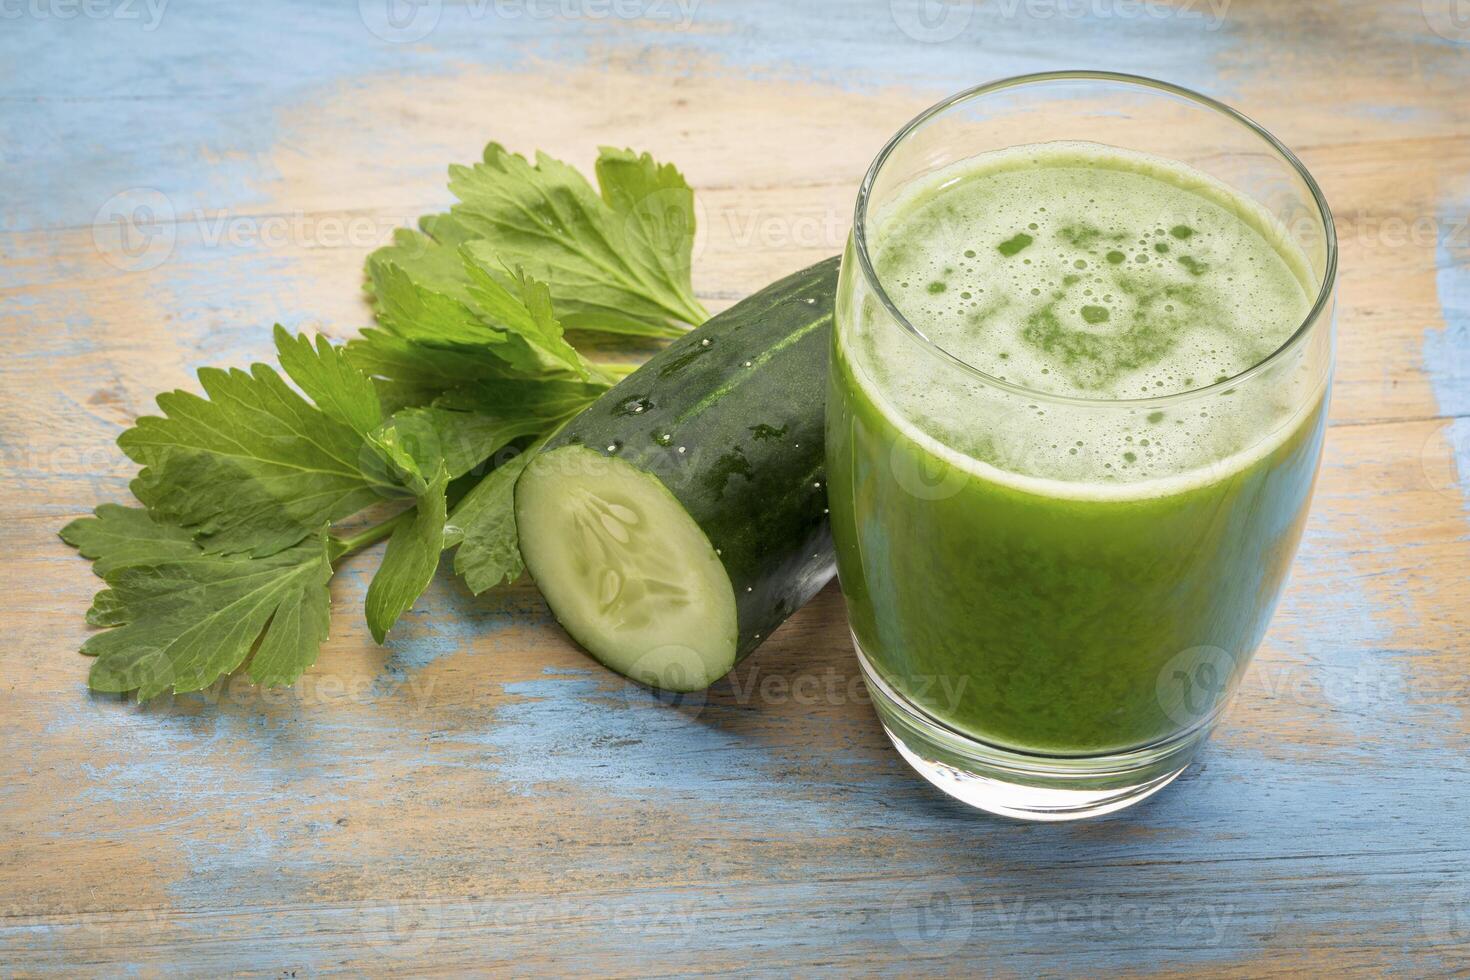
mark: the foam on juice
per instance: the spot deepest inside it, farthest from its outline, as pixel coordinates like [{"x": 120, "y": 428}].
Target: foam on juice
[{"x": 1085, "y": 272}]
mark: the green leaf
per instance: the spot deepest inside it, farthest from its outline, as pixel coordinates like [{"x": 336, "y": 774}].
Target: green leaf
[
  {"x": 420, "y": 292},
  {"x": 182, "y": 617},
  {"x": 412, "y": 556},
  {"x": 470, "y": 297},
  {"x": 119, "y": 537},
  {"x": 524, "y": 309},
  {"x": 483, "y": 311},
  {"x": 406, "y": 373},
  {"x": 616, "y": 262},
  {"x": 660, "y": 222},
  {"x": 549, "y": 400},
  {"x": 107, "y": 610},
  {"x": 462, "y": 439},
  {"x": 253, "y": 467},
  {"x": 484, "y": 527},
  {"x": 339, "y": 389}
]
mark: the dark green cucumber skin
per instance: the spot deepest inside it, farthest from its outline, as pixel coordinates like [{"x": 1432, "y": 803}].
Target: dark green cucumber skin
[{"x": 752, "y": 471}]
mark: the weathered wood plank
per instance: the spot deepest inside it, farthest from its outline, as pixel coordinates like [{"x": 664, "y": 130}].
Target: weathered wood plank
[{"x": 479, "y": 795}]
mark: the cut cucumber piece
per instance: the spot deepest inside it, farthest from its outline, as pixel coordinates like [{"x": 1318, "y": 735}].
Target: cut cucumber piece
[
  {"x": 627, "y": 570},
  {"x": 681, "y": 518}
]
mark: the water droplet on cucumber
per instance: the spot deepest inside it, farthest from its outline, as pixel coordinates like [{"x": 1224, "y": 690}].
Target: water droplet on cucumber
[{"x": 633, "y": 405}]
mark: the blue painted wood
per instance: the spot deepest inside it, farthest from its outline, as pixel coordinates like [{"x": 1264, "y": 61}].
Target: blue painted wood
[{"x": 478, "y": 794}]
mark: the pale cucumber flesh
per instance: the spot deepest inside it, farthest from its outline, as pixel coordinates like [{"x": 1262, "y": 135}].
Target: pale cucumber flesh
[{"x": 625, "y": 569}]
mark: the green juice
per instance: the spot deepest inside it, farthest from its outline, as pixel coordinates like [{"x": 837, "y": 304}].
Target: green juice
[{"x": 1059, "y": 557}]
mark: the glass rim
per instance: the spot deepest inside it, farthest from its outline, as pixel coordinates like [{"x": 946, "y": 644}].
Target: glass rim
[{"x": 1298, "y": 336}]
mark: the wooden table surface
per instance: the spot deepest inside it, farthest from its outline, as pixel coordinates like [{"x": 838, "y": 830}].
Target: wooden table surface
[{"x": 477, "y": 794}]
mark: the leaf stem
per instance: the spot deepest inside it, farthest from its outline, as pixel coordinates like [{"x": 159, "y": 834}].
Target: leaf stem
[{"x": 339, "y": 547}]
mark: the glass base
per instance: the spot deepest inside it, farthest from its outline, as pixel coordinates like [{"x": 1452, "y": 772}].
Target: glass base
[{"x": 1019, "y": 784}]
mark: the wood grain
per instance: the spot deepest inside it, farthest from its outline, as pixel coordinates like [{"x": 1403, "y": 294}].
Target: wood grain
[{"x": 477, "y": 795}]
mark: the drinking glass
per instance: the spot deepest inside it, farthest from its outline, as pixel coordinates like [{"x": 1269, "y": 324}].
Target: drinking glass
[{"x": 1038, "y": 645}]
